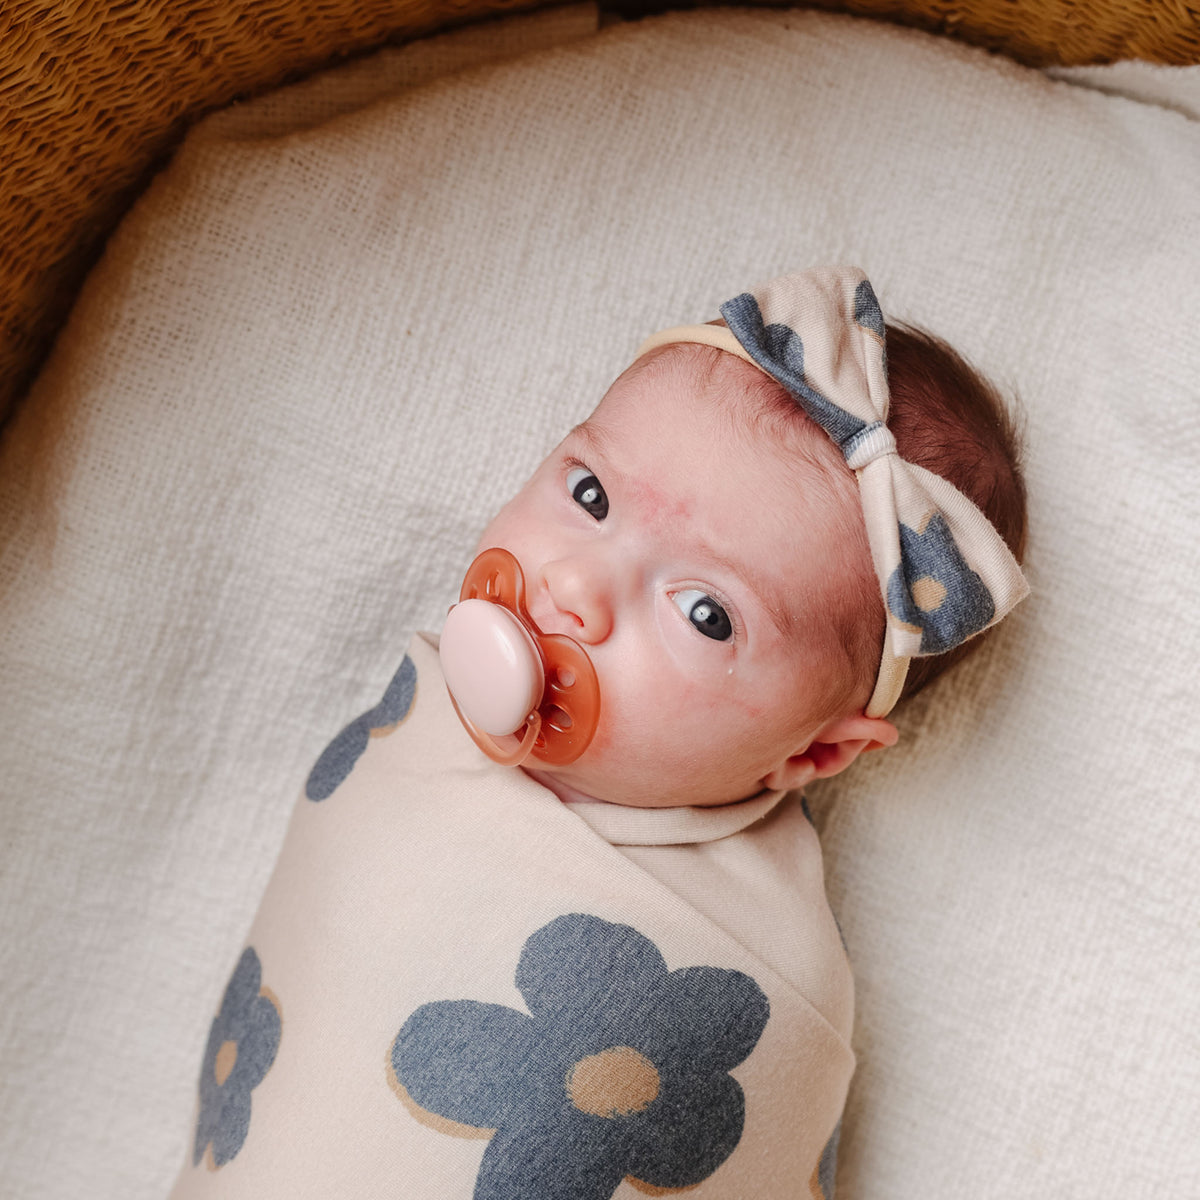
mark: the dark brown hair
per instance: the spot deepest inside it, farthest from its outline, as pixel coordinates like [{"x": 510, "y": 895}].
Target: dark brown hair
[{"x": 947, "y": 418}]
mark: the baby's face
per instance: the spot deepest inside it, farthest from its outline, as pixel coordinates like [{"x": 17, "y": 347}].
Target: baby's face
[{"x": 692, "y": 555}]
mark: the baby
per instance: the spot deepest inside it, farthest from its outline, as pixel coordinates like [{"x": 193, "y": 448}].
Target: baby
[{"x": 611, "y": 970}]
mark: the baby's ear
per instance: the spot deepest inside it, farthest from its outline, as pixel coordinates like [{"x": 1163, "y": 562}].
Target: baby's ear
[{"x": 835, "y": 746}]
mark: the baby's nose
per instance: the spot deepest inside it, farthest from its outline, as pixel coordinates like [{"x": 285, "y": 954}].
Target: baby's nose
[{"x": 582, "y": 594}]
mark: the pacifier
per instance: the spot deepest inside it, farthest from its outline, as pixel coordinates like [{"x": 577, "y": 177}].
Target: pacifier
[{"x": 519, "y": 692}]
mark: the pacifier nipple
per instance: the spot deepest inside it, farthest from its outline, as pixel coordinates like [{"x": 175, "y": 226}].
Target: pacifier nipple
[{"x": 519, "y": 692}]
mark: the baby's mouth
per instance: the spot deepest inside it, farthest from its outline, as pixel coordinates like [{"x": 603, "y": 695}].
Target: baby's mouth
[{"x": 520, "y": 693}]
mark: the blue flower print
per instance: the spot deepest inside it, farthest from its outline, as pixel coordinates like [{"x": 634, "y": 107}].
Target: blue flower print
[
  {"x": 241, "y": 1048},
  {"x": 778, "y": 350},
  {"x": 619, "y": 1070},
  {"x": 867, "y": 312},
  {"x": 823, "y": 1180},
  {"x": 868, "y": 315},
  {"x": 935, "y": 590},
  {"x": 339, "y": 757}
]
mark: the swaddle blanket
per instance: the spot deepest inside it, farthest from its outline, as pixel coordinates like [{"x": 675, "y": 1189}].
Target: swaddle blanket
[{"x": 459, "y": 986}]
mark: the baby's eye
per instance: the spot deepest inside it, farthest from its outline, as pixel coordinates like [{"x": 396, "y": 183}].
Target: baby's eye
[
  {"x": 587, "y": 491},
  {"x": 705, "y": 613}
]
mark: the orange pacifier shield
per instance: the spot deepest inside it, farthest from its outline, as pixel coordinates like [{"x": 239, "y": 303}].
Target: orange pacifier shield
[{"x": 519, "y": 692}]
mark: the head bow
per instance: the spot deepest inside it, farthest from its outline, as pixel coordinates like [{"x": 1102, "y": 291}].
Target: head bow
[{"x": 944, "y": 572}]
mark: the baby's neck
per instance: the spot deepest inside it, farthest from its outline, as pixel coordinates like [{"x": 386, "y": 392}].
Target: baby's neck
[
  {"x": 569, "y": 795},
  {"x": 564, "y": 791}
]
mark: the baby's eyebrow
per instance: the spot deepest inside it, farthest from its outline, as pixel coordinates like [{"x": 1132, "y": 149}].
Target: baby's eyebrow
[
  {"x": 781, "y": 615},
  {"x": 592, "y": 435}
]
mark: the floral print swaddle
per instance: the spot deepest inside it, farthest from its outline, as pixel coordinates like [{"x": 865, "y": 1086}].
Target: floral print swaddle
[{"x": 457, "y": 988}]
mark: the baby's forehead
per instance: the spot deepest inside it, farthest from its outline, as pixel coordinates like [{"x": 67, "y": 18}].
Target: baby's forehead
[
  {"x": 710, "y": 433},
  {"x": 682, "y": 382},
  {"x": 706, "y": 369}
]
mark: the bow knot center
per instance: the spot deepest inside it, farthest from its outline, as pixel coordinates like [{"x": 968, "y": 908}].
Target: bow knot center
[{"x": 869, "y": 443}]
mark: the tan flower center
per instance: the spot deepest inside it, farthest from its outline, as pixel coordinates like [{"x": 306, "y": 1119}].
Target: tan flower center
[
  {"x": 226, "y": 1060},
  {"x": 617, "y": 1082},
  {"x": 928, "y": 593}
]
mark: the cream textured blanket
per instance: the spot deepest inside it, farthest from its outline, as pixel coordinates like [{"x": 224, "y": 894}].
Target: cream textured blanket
[{"x": 340, "y": 329}]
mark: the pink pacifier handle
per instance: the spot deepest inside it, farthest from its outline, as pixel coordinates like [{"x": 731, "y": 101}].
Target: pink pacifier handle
[{"x": 519, "y": 692}]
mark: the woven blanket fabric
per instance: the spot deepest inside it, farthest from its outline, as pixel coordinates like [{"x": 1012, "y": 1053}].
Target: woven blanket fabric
[{"x": 328, "y": 343}]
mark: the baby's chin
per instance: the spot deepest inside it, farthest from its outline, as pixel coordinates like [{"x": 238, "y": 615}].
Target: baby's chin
[
  {"x": 579, "y": 787},
  {"x": 566, "y": 792}
]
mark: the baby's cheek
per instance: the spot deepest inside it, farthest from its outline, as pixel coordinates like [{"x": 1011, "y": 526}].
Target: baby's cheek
[
  {"x": 749, "y": 708},
  {"x": 603, "y": 740},
  {"x": 626, "y": 743},
  {"x": 501, "y": 530}
]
